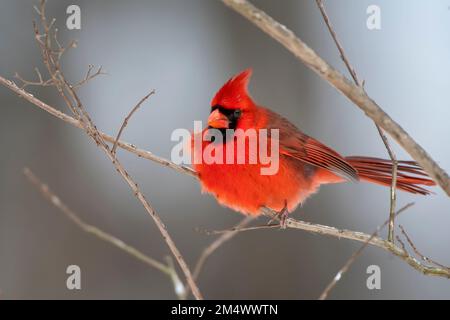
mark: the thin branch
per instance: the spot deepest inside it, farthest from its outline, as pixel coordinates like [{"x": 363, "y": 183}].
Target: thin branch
[
  {"x": 51, "y": 197},
  {"x": 363, "y": 237},
  {"x": 418, "y": 253},
  {"x": 74, "y": 122},
  {"x": 63, "y": 49},
  {"x": 40, "y": 81},
  {"x": 393, "y": 202},
  {"x": 209, "y": 250},
  {"x": 224, "y": 237},
  {"x": 240, "y": 229},
  {"x": 353, "y": 92},
  {"x": 356, "y": 254},
  {"x": 385, "y": 140},
  {"x": 88, "y": 77},
  {"x": 180, "y": 289},
  {"x": 127, "y": 118},
  {"x": 402, "y": 244},
  {"x": 73, "y": 102},
  {"x": 337, "y": 42}
]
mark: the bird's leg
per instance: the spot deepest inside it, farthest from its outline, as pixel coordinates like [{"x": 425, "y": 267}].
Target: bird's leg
[{"x": 281, "y": 215}]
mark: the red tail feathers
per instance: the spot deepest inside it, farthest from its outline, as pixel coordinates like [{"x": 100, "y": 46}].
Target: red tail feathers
[{"x": 379, "y": 171}]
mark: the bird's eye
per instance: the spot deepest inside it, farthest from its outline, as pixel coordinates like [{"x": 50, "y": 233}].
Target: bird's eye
[{"x": 237, "y": 113}]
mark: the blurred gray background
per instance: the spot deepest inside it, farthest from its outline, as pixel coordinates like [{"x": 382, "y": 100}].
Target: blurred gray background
[{"x": 186, "y": 50}]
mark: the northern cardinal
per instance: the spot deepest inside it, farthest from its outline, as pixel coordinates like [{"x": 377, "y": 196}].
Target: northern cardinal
[{"x": 304, "y": 162}]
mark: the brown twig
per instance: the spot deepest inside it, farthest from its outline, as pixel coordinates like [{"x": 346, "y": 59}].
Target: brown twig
[
  {"x": 40, "y": 81},
  {"x": 51, "y": 197},
  {"x": 74, "y": 122},
  {"x": 240, "y": 229},
  {"x": 353, "y": 92},
  {"x": 224, "y": 237},
  {"x": 127, "y": 118},
  {"x": 180, "y": 289},
  {"x": 356, "y": 254},
  {"x": 344, "y": 58},
  {"x": 88, "y": 77},
  {"x": 402, "y": 244},
  {"x": 351, "y": 70},
  {"x": 363, "y": 237},
  {"x": 73, "y": 102},
  {"x": 210, "y": 249},
  {"x": 418, "y": 253}
]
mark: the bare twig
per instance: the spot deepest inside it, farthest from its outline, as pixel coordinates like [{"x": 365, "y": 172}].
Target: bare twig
[
  {"x": 353, "y": 92},
  {"x": 61, "y": 49},
  {"x": 74, "y": 122},
  {"x": 336, "y": 41},
  {"x": 89, "y": 75},
  {"x": 363, "y": 237},
  {"x": 40, "y": 81},
  {"x": 393, "y": 194},
  {"x": 385, "y": 140},
  {"x": 402, "y": 244},
  {"x": 418, "y": 253},
  {"x": 51, "y": 197},
  {"x": 219, "y": 242},
  {"x": 210, "y": 249},
  {"x": 240, "y": 229},
  {"x": 73, "y": 102},
  {"x": 178, "y": 285},
  {"x": 356, "y": 254},
  {"x": 127, "y": 118}
]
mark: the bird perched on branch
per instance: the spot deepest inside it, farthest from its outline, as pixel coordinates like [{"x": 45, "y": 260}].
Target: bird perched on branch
[{"x": 304, "y": 163}]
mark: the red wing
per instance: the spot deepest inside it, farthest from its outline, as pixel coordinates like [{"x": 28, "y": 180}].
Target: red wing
[{"x": 295, "y": 144}]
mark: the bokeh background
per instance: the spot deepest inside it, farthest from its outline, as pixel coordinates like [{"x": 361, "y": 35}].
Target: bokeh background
[{"x": 186, "y": 50}]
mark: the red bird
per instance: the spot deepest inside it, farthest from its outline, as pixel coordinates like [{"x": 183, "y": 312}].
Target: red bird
[{"x": 304, "y": 162}]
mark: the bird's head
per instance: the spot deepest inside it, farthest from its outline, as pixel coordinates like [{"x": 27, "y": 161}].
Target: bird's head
[{"x": 232, "y": 106}]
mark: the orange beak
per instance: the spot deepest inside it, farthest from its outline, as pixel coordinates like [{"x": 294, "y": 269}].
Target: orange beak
[{"x": 218, "y": 120}]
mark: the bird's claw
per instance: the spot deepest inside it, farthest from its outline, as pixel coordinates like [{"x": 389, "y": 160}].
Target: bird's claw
[{"x": 282, "y": 216}]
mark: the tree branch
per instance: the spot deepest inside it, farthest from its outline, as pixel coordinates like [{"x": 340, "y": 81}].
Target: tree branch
[
  {"x": 224, "y": 237},
  {"x": 353, "y": 92},
  {"x": 51, "y": 197},
  {"x": 89, "y": 75},
  {"x": 418, "y": 253},
  {"x": 356, "y": 254},
  {"x": 363, "y": 237},
  {"x": 385, "y": 140},
  {"x": 76, "y": 123},
  {"x": 210, "y": 249},
  {"x": 127, "y": 118},
  {"x": 67, "y": 91}
]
